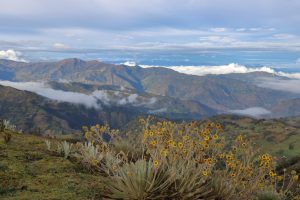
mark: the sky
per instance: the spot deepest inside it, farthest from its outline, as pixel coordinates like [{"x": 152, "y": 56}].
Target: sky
[{"x": 156, "y": 32}]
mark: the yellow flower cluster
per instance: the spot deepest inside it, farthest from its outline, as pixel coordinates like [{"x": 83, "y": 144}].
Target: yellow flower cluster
[{"x": 202, "y": 146}]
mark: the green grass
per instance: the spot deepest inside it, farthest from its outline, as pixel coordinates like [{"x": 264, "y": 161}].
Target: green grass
[
  {"x": 27, "y": 171},
  {"x": 273, "y": 136}
]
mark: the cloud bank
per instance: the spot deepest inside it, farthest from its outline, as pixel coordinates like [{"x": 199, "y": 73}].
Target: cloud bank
[
  {"x": 11, "y": 54},
  {"x": 59, "y": 95},
  {"x": 290, "y": 85},
  {"x": 253, "y": 112},
  {"x": 108, "y": 98},
  {"x": 224, "y": 69}
]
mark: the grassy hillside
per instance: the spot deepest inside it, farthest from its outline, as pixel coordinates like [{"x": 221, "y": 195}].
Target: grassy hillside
[
  {"x": 281, "y": 137},
  {"x": 28, "y": 171}
]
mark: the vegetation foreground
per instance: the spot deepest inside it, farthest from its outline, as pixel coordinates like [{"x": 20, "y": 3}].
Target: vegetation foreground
[{"x": 166, "y": 161}]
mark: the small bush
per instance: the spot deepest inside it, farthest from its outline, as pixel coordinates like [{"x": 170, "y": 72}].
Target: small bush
[
  {"x": 90, "y": 155},
  {"x": 48, "y": 145},
  {"x": 64, "y": 148}
]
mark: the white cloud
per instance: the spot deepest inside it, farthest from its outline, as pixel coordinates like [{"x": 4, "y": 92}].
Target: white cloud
[
  {"x": 131, "y": 99},
  {"x": 108, "y": 98},
  {"x": 253, "y": 112},
  {"x": 290, "y": 85},
  {"x": 224, "y": 69},
  {"x": 11, "y": 54},
  {"x": 59, "y": 95},
  {"x": 59, "y": 45},
  {"x": 218, "y": 29},
  {"x": 129, "y": 63}
]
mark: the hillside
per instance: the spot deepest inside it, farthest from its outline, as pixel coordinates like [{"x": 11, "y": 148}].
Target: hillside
[
  {"x": 286, "y": 108},
  {"x": 281, "y": 136},
  {"x": 28, "y": 171},
  {"x": 36, "y": 114}
]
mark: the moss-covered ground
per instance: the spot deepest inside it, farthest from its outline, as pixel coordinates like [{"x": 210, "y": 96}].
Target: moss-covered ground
[{"x": 28, "y": 171}]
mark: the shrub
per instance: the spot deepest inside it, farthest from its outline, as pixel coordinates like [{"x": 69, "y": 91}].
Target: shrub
[
  {"x": 64, "y": 148},
  {"x": 90, "y": 155},
  {"x": 183, "y": 161},
  {"x": 48, "y": 145},
  {"x": 139, "y": 180}
]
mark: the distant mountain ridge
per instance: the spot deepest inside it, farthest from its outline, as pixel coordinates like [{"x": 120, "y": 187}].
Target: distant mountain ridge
[
  {"x": 219, "y": 92},
  {"x": 34, "y": 113}
]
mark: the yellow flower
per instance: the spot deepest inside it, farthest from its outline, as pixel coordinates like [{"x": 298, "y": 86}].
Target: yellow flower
[
  {"x": 229, "y": 157},
  {"x": 186, "y": 137},
  {"x": 205, "y": 173},
  {"x": 206, "y": 138},
  {"x": 153, "y": 143},
  {"x": 206, "y": 131},
  {"x": 174, "y": 144},
  {"x": 94, "y": 162},
  {"x": 165, "y": 153},
  {"x": 233, "y": 174},
  {"x": 272, "y": 174},
  {"x": 279, "y": 178},
  {"x": 295, "y": 178},
  {"x": 222, "y": 155},
  {"x": 155, "y": 163},
  {"x": 209, "y": 161},
  {"x": 151, "y": 133},
  {"x": 239, "y": 138},
  {"x": 180, "y": 145}
]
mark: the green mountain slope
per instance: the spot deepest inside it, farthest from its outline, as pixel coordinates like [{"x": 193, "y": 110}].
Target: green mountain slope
[{"x": 37, "y": 114}]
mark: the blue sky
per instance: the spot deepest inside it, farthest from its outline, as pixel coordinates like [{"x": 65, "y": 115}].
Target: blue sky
[{"x": 264, "y": 31}]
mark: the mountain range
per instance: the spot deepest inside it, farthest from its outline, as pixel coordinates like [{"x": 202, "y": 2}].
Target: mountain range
[{"x": 124, "y": 92}]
